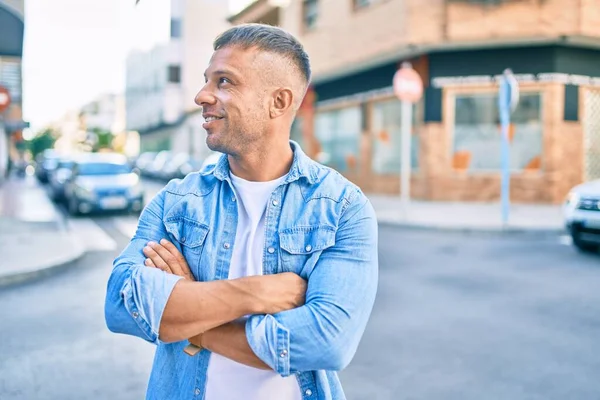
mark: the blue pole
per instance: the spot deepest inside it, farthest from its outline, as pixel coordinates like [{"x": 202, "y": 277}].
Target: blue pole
[{"x": 505, "y": 105}]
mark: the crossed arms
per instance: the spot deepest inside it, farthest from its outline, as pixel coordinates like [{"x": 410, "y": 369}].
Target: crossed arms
[{"x": 289, "y": 329}]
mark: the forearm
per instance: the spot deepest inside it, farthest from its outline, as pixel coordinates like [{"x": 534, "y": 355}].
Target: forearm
[
  {"x": 196, "y": 307},
  {"x": 229, "y": 340}
]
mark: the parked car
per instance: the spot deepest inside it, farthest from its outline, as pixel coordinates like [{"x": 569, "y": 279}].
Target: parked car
[
  {"x": 582, "y": 216},
  {"x": 103, "y": 182},
  {"x": 171, "y": 167},
  {"x": 58, "y": 178},
  {"x": 45, "y": 164},
  {"x": 179, "y": 166},
  {"x": 144, "y": 161},
  {"x": 156, "y": 166}
]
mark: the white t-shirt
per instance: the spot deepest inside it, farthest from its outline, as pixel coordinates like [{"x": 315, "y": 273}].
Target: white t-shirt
[{"x": 227, "y": 379}]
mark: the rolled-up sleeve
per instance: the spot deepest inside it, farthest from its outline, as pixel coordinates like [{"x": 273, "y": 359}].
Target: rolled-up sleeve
[
  {"x": 136, "y": 295},
  {"x": 324, "y": 333}
]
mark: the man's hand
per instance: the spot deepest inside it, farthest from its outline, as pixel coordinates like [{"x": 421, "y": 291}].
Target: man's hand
[
  {"x": 275, "y": 293},
  {"x": 165, "y": 256}
]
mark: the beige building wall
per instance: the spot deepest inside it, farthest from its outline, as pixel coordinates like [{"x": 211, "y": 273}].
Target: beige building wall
[
  {"x": 344, "y": 39},
  {"x": 203, "y": 20}
]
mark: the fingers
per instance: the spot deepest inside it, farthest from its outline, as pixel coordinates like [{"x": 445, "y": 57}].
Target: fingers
[
  {"x": 155, "y": 259},
  {"x": 182, "y": 264},
  {"x": 168, "y": 258}
]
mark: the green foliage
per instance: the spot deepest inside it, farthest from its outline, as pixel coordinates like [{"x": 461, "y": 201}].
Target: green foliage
[
  {"x": 42, "y": 141},
  {"x": 103, "y": 139}
]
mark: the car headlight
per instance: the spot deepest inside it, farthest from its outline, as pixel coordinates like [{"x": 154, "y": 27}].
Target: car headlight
[
  {"x": 572, "y": 199},
  {"x": 84, "y": 194},
  {"x": 137, "y": 190}
]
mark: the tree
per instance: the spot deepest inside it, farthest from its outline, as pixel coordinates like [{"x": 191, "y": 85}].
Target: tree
[
  {"x": 42, "y": 141},
  {"x": 103, "y": 141}
]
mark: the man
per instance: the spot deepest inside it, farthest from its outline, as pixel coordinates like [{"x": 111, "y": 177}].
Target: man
[{"x": 266, "y": 261}]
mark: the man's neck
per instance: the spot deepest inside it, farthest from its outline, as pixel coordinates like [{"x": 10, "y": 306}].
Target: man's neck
[{"x": 263, "y": 166}]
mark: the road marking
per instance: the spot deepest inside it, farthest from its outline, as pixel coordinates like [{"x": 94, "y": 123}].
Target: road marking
[
  {"x": 126, "y": 225},
  {"x": 565, "y": 240},
  {"x": 92, "y": 237}
]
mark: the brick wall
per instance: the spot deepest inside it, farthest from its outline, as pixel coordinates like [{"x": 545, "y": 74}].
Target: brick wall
[
  {"x": 518, "y": 18},
  {"x": 343, "y": 36},
  {"x": 590, "y": 18}
]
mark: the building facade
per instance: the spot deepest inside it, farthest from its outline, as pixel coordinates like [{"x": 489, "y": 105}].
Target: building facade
[
  {"x": 351, "y": 119},
  {"x": 12, "y": 24},
  {"x": 161, "y": 84}
]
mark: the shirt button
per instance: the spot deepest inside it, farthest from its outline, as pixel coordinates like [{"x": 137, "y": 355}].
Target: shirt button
[
  {"x": 226, "y": 245},
  {"x": 308, "y": 392},
  {"x": 283, "y": 353},
  {"x": 197, "y": 391},
  {"x": 275, "y": 202},
  {"x": 308, "y": 248},
  {"x": 135, "y": 314},
  {"x": 233, "y": 199},
  {"x": 183, "y": 240},
  {"x": 271, "y": 250}
]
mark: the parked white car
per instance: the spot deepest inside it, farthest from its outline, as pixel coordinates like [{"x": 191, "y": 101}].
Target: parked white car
[{"x": 582, "y": 216}]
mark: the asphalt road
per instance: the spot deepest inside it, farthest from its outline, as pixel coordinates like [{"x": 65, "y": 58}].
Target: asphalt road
[{"x": 457, "y": 317}]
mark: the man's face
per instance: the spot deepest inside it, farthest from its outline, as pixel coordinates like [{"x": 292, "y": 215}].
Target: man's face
[{"x": 234, "y": 101}]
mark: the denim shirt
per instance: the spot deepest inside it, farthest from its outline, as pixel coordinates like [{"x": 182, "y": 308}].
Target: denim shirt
[{"x": 318, "y": 225}]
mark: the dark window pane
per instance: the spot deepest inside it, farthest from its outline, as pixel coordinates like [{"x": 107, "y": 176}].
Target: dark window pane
[{"x": 174, "y": 74}]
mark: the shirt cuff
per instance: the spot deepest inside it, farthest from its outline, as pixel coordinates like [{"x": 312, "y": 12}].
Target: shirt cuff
[
  {"x": 270, "y": 341},
  {"x": 145, "y": 297}
]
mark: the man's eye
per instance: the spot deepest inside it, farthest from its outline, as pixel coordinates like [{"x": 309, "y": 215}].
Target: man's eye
[{"x": 223, "y": 80}]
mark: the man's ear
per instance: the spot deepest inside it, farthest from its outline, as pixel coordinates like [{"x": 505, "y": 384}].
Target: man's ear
[{"x": 283, "y": 100}]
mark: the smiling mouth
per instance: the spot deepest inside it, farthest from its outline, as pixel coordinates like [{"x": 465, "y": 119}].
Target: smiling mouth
[{"x": 210, "y": 119}]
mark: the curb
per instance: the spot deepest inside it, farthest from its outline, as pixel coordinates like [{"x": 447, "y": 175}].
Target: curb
[
  {"x": 500, "y": 231},
  {"x": 41, "y": 272}
]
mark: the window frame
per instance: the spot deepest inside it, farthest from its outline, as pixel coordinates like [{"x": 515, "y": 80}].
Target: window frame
[
  {"x": 449, "y": 109},
  {"x": 303, "y": 15}
]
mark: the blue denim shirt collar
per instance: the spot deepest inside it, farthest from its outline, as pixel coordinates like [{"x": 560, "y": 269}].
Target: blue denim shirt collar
[{"x": 302, "y": 167}]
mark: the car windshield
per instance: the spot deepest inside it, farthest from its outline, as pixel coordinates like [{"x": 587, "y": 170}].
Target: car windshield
[
  {"x": 99, "y": 168},
  {"x": 65, "y": 164}
]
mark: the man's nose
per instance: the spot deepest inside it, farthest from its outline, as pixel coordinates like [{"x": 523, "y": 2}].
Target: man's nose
[{"x": 204, "y": 97}]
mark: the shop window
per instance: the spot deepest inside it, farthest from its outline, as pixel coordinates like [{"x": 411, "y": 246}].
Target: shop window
[
  {"x": 477, "y": 133},
  {"x": 338, "y": 134},
  {"x": 310, "y": 13},
  {"x": 387, "y": 128}
]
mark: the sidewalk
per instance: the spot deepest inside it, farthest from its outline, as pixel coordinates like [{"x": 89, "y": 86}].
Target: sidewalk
[
  {"x": 479, "y": 217},
  {"x": 34, "y": 240}
]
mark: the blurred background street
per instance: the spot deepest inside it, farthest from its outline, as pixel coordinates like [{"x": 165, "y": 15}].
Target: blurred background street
[{"x": 473, "y": 126}]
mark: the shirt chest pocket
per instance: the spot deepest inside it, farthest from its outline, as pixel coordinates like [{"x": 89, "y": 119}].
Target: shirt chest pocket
[
  {"x": 189, "y": 237},
  {"x": 301, "y": 248}
]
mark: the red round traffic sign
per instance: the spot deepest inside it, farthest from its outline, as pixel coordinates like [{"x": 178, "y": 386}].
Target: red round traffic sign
[
  {"x": 4, "y": 99},
  {"x": 408, "y": 85}
]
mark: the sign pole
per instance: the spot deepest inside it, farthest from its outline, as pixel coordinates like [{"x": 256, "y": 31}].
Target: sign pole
[
  {"x": 405, "y": 146},
  {"x": 507, "y": 101},
  {"x": 408, "y": 87}
]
